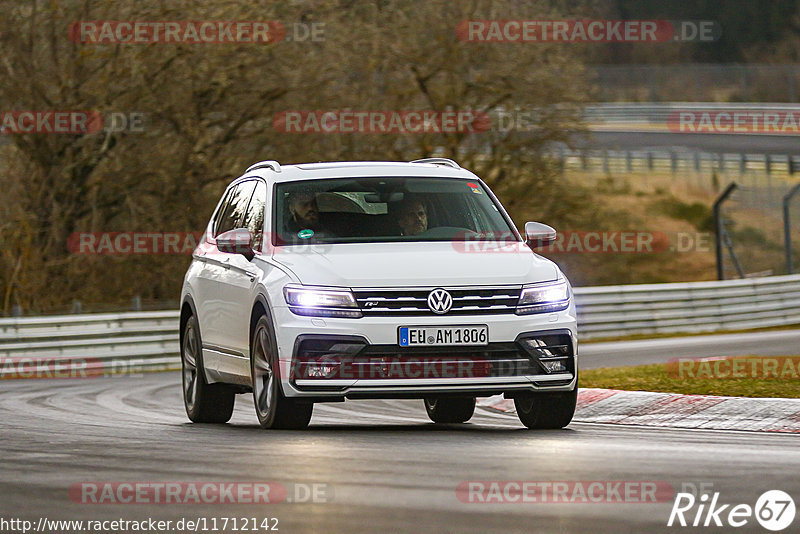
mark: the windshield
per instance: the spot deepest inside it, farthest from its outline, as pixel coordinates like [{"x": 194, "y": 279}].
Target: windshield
[{"x": 356, "y": 210}]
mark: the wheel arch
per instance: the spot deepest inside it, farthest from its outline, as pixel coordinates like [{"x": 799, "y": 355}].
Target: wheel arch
[
  {"x": 260, "y": 307},
  {"x": 188, "y": 309}
]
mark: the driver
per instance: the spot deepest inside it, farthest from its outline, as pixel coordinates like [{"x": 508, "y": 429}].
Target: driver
[
  {"x": 412, "y": 216},
  {"x": 304, "y": 213}
]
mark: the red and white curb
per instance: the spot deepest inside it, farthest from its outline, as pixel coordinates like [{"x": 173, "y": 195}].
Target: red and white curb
[{"x": 672, "y": 410}]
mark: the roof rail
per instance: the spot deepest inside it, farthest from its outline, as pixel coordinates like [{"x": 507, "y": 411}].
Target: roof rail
[
  {"x": 267, "y": 164},
  {"x": 439, "y": 161}
]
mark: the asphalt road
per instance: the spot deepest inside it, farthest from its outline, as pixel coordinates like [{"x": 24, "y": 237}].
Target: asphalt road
[
  {"x": 385, "y": 467},
  {"x": 717, "y": 142},
  {"x": 620, "y": 353}
]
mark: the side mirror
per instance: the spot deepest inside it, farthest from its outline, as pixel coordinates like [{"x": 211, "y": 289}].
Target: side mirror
[
  {"x": 238, "y": 241},
  {"x": 539, "y": 235}
]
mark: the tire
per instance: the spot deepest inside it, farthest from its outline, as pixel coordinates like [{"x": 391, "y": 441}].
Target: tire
[
  {"x": 204, "y": 402},
  {"x": 450, "y": 409},
  {"x": 547, "y": 410},
  {"x": 273, "y": 409}
]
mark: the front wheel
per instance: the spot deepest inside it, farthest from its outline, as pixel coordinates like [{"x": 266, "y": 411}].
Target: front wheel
[
  {"x": 450, "y": 410},
  {"x": 547, "y": 410},
  {"x": 204, "y": 402},
  {"x": 273, "y": 409}
]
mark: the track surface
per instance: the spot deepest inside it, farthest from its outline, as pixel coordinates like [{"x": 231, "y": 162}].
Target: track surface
[
  {"x": 388, "y": 467},
  {"x": 716, "y": 142},
  {"x": 644, "y": 351}
]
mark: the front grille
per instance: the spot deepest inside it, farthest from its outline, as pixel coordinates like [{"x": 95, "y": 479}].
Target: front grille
[
  {"x": 466, "y": 301},
  {"x": 326, "y": 357}
]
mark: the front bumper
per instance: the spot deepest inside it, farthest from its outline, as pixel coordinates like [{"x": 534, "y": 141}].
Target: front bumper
[{"x": 334, "y": 359}]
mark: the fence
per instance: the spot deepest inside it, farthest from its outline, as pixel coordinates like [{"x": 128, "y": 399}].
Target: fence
[
  {"x": 148, "y": 341},
  {"x": 757, "y": 166}
]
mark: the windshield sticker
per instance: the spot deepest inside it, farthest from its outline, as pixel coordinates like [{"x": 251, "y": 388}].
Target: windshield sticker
[{"x": 305, "y": 234}]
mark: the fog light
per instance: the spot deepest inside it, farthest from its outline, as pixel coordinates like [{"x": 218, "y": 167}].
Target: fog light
[
  {"x": 316, "y": 370},
  {"x": 553, "y": 366}
]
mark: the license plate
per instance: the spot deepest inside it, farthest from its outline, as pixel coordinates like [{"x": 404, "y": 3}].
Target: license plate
[{"x": 422, "y": 336}]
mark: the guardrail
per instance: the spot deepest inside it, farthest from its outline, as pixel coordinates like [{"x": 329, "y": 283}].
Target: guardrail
[
  {"x": 102, "y": 343},
  {"x": 148, "y": 341},
  {"x": 659, "y": 113},
  {"x": 688, "y": 164},
  {"x": 688, "y": 307},
  {"x": 679, "y": 160}
]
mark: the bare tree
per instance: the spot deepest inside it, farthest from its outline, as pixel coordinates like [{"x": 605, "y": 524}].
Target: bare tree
[{"x": 209, "y": 109}]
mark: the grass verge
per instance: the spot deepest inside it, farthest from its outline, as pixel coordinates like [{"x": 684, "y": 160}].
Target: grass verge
[{"x": 747, "y": 376}]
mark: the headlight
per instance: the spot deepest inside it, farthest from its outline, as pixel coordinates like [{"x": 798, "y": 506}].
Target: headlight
[
  {"x": 542, "y": 298},
  {"x": 321, "y": 302}
]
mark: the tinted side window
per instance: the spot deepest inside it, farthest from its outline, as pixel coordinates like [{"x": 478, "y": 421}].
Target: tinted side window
[
  {"x": 237, "y": 206},
  {"x": 220, "y": 213},
  {"x": 254, "y": 219}
]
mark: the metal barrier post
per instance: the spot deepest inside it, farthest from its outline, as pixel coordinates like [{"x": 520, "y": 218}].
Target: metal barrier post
[
  {"x": 787, "y": 227},
  {"x": 719, "y": 228}
]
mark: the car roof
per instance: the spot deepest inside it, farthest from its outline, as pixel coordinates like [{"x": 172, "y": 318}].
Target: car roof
[{"x": 349, "y": 169}]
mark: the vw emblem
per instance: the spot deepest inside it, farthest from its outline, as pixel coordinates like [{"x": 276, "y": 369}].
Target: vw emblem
[{"x": 440, "y": 301}]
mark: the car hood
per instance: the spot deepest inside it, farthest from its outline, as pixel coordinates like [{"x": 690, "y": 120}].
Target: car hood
[{"x": 414, "y": 264}]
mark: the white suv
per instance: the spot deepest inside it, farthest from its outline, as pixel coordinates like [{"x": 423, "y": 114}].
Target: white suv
[{"x": 370, "y": 280}]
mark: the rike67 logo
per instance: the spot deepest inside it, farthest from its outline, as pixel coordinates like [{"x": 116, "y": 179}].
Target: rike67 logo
[{"x": 774, "y": 510}]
